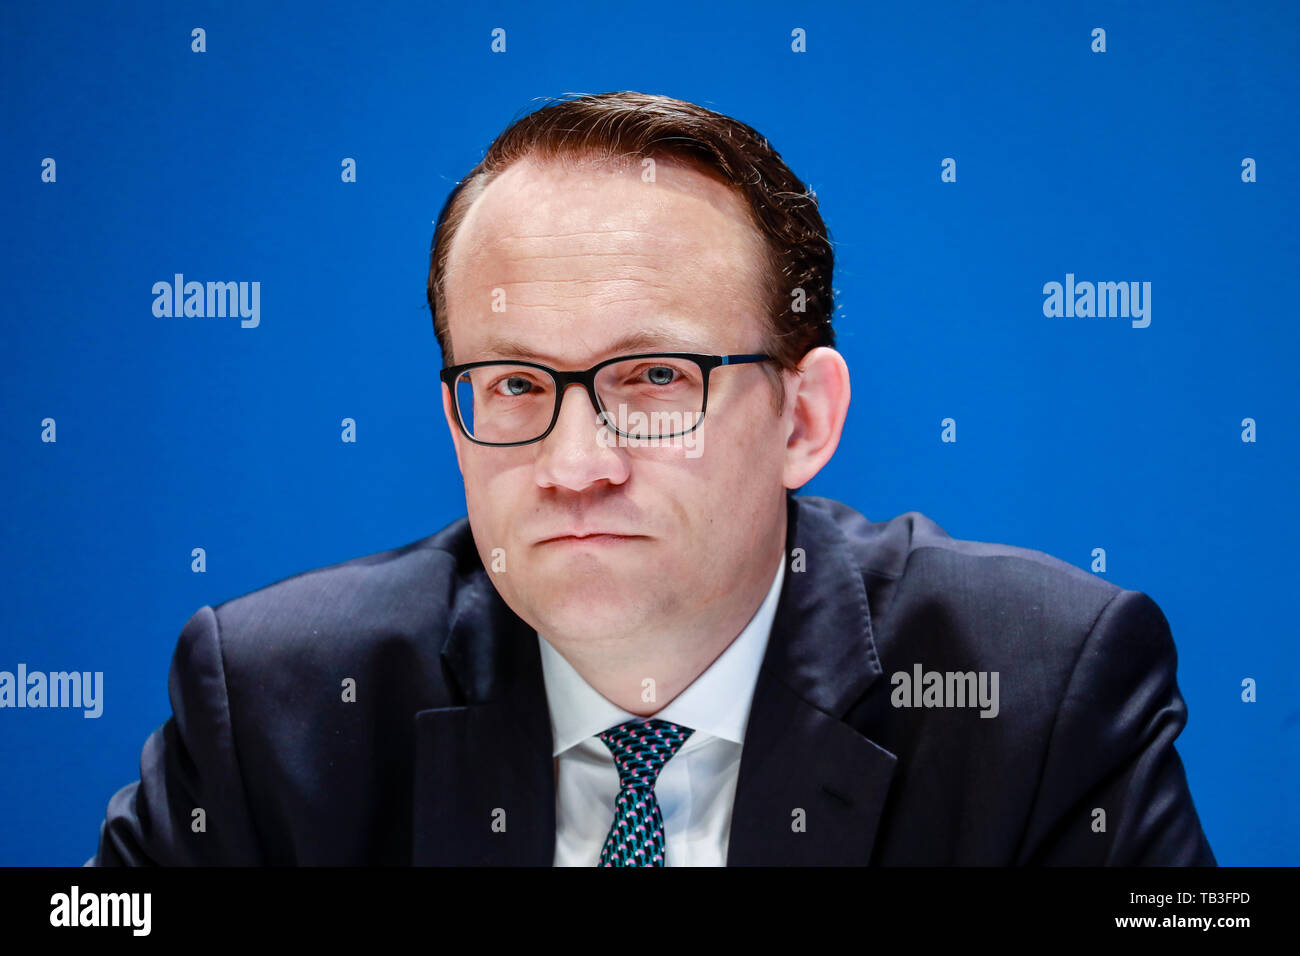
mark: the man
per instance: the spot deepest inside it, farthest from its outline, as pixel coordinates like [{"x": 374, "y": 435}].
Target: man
[{"x": 640, "y": 647}]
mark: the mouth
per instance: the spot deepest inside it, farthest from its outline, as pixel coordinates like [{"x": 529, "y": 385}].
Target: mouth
[{"x": 598, "y": 539}]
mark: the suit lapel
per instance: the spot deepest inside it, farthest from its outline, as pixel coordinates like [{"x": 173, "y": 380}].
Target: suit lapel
[
  {"x": 484, "y": 776},
  {"x": 812, "y": 788}
]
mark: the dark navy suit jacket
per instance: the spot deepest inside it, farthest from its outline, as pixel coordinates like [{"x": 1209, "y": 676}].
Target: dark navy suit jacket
[{"x": 450, "y": 722}]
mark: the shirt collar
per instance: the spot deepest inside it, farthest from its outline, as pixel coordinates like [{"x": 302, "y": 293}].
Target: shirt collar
[{"x": 716, "y": 703}]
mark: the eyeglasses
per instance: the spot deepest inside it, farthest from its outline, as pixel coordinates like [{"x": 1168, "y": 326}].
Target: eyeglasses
[{"x": 651, "y": 395}]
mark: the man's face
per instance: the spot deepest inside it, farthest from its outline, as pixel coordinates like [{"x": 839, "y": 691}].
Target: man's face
[{"x": 587, "y": 257}]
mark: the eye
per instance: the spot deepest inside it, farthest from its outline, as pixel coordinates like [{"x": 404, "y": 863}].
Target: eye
[
  {"x": 660, "y": 374},
  {"x": 516, "y": 385},
  {"x": 513, "y": 386}
]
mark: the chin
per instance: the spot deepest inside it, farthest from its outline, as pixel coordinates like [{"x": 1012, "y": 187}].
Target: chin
[
  {"x": 588, "y": 609},
  {"x": 589, "y": 576},
  {"x": 576, "y": 624}
]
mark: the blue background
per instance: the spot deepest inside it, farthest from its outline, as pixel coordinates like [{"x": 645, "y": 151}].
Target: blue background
[{"x": 175, "y": 433}]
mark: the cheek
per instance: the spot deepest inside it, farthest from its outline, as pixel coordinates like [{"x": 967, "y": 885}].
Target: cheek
[
  {"x": 743, "y": 480},
  {"x": 719, "y": 491},
  {"x": 493, "y": 496},
  {"x": 748, "y": 457}
]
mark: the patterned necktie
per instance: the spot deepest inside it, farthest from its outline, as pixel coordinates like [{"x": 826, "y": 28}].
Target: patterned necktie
[{"x": 640, "y": 749}]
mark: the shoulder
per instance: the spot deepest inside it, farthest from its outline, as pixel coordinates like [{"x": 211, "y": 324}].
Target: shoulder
[
  {"x": 1052, "y": 633},
  {"x": 899, "y": 545},
  {"x": 393, "y": 602},
  {"x": 921, "y": 579}
]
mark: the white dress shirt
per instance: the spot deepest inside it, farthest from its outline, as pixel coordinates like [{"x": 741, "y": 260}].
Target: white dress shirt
[{"x": 696, "y": 786}]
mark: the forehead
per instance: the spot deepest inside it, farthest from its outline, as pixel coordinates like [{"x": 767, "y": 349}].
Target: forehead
[{"x": 573, "y": 260}]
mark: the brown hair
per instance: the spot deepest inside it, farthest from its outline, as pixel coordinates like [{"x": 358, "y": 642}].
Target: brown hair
[{"x": 644, "y": 125}]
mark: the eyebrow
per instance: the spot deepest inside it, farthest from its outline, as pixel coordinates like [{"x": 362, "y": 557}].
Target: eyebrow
[{"x": 644, "y": 340}]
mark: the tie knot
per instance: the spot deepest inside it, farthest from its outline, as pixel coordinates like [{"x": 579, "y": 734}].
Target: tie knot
[{"x": 641, "y": 748}]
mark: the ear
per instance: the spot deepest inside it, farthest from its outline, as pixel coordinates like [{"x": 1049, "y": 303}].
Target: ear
[
  {"x": 450, "y": 415},
  {"x": 817, "y": 402}
]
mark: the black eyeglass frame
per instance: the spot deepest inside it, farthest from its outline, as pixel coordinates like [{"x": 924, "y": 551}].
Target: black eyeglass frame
[{"x": 587, "y": 379}]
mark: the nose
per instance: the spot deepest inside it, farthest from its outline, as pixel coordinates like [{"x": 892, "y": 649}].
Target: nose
[{"x": 573, "y": 455}]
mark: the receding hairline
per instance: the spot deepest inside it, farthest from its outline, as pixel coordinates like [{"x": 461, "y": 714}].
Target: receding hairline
[{"x": 598, "y": 161}]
